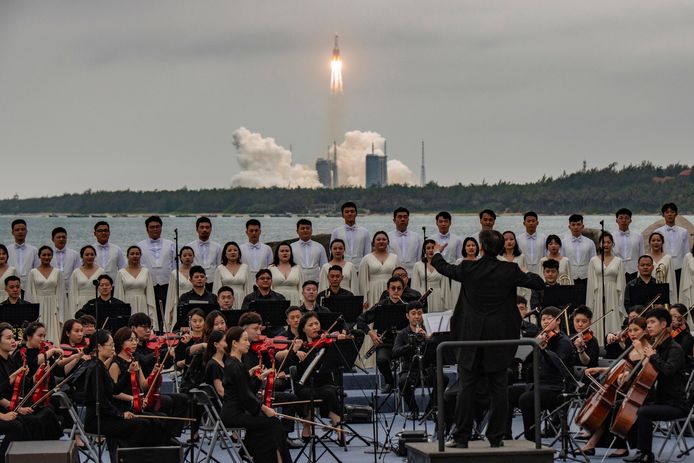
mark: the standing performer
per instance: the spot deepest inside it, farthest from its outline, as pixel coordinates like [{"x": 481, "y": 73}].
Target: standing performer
[
  {"x": 187, "y": 256},
  {"x": 287, "y": 276},
  {"x": 22, "y": 255},
  {"x": 348, "y": 271},
  {"x": 6, "y": 270},
  {"x": 310, "y": 255},
  {"x": 46, "y": 286},
  {"x": 454, "y": 244},
  {"x": 81, "y": 290},
  {"x": 531, "y": 242},
  {"x": 613, "y": 287},
  {"x": 687, "y": 279},
  {"x": 406, "y": 244},
  {"x": 134, "y": 285},
  {"x": 486, "y": 309},
  {"x": 233, "y": 273},
  {"x": 553, "y": 246},
  {"x": 440, "y": 299},
  {"x": 628, "y": 244},
  {"x": 355, "y": 237},
  {"x": 207, "y": 252},
  {"x": 255, "y": 254},
  {"x": 663, "y": 263},
  {"x": 265, "y": 438},
  {"x": 375, "y": 268},
  {"x": 64, "y": 259},
  {"x": 108, "y": 256},
  {"x": 676, "y": 237},
  {"x": 578, "y": 249}
]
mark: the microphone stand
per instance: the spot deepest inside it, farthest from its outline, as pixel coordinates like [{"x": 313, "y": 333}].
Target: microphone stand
[
  {"x": 602, "y": 273},
  {"x": 96, "y": 340},
  {"x": 178, "y": 277}
]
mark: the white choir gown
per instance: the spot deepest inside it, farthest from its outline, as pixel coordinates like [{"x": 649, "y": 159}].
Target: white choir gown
[
  {"x": 184, "y": 285},
  {"x": 289, "y": 287},
  {"x": 687, "y": 281},
  {"x": 440, "y": 299},
  {"x": 350, "y": 281},
  {"x": 11, "y": 271},
  {"x": 138, "y": 292},
  {"x": 81, "y": 290},
  {"x": 614, "y": 294},
  {"x": 240, "y": 282},
  {"x": 374, "y": 275},
  {"x": 668, "y": 272},
  {"x": 564, "y": 269},
  {"x": 49, "y": 293}
]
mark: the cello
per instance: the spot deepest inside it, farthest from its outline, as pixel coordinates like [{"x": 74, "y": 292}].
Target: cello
[{"x": 638, "y": 393}]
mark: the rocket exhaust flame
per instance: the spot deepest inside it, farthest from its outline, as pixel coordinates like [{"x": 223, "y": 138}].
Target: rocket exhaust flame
[{"x": 336, "y": 70}]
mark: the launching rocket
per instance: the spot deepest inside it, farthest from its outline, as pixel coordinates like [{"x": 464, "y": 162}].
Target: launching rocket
[{"x": 336, "y": 50}]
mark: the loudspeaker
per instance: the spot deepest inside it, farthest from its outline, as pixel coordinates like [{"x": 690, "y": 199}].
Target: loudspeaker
[
  {"x": 45, "y": 451},
  {"x": 150, "y": 454},
  {"x": 405, "y": 437}
]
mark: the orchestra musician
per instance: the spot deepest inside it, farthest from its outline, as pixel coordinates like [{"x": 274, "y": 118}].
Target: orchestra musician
[
  {"x": 383, "y": 342},
  {"x": 13, "y": 288},
  {"x": 528, "y": 328},
  {"x": 486, "y": 309},
  {"x": 20, "y": 422},
  {"x": 262, "y": 290},
  {"x": 681, "y": 333},
  {"x": 265, "y": 437},
  {"x": 555, "y": 359},
  {"x": 334, "y": 284},
  {"x": 636, "y": 331},
  {"x": 550, "y": 273},
  {"x": 585, "y": 344},
  {"x": 214, "y": 358},
  {"x": 668, "y": 402},
  {"x": 617, "y": 342},
  {"x": 644, "y": 277},
  {"x": 322, "y": 386},
  {"x": 99, "y": 389},
  {"x": 405, "y": 347}
]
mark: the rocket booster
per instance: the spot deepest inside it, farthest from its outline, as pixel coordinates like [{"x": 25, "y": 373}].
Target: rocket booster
[{"x": 336, "y": 49}]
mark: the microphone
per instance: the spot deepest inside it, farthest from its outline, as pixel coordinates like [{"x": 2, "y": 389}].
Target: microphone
[
  {"x": 602, "y": 223},
  {"x": 95, "y": 282}
]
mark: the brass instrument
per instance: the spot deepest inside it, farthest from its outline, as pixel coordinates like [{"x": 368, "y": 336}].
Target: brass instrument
[
  {"x": 564, "y": 279},
  {"x": 661, "y": 273}
]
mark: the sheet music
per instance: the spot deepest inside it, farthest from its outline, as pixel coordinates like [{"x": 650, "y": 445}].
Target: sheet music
[{"x": 437, "y": 322}]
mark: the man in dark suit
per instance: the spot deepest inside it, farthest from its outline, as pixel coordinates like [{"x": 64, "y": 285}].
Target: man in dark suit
[{"x": 486, "y": 310}]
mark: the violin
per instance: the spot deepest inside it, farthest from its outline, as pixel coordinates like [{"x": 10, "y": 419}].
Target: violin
[
  {"x": 19, "y": 380},
  {"x": 587, "y": 335},
  {"x": 167, "y": 339},
  {"x": 265, "y": 344},
  {"x": 677, "y": 331},
  {"x": 68, "y": 350},
  {"x": 545, "y": 337}
]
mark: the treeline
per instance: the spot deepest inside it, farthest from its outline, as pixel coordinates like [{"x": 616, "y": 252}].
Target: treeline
[{"x": 643, "y": 188}]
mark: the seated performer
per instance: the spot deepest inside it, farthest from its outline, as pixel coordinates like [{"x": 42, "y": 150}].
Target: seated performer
[
  {"x": 112, "y": 422},
  {"x": 198, "y": 279},
  {"x": 265, "y": 438},
  {"x": 601, "y": 438},
  {"x": 105, "y": 298},
  {"x": 410, "y": 341},
  {"x": 528, "y": 328},
  {"x": 225, "y": 298},
  {"x": 555, "y": 360},
  {"x": 586, "y": 345},
  {"x": 320, "y": 385},
  {"x": 667, "y": 402},
  {"x": 615, "y": 343},
  {"x": 408, "y": 294},
  {"x": 13, "y": 288},
  {"x": 383, "y": 342},
  {"x": 215, "y": 357},
  {"x": 20, "y": 422},
  {"x": 334, "y": 289},
  {"x": 681, "y": 333},
  {"x": 644, "y": 277},
  {"x": 262, "y": 290},
  {"x": 550, "y": 273}
]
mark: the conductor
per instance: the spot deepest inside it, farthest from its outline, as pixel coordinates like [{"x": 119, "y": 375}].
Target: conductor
[{"x": 486, "y": 310}]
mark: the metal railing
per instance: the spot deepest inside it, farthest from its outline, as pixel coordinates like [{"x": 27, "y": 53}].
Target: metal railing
[{"x": 500, "y": 342}]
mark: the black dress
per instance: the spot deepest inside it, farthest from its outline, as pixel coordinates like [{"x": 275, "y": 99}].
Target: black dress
[
  {"x": 319, "y": 385},
  {"x": 41, "y": 425},
  {"x": 137, "y": 432},
  {"x": 264, "y": 436}
]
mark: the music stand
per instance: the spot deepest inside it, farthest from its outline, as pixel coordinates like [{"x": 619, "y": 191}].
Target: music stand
[
  {"x": 231, "y": 317},
  {"x": 390, "y": 317},
  {"x": 272, "y": 312},
  {"x": 642, "y": 295},
  {"x": 186, "y": 307},
  {"x": 437, "y": 322},
  {"x": 115, "y": 315},
  {"x": 560, "y": 295},
  {"x": 350, "y": 307},
  {"x": 18, "y": 314}
]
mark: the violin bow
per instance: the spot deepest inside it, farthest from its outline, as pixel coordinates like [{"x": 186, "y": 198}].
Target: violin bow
[
  {"x": 36, "y": 385},
  {"x": 326, "y": 332},
  {"x": 313, "y": 423},
  {"x": 580, "y": 333}
]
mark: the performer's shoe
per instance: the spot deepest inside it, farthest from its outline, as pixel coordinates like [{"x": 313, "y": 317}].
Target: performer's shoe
[
  {"x": 623, "y": 454},
  {"x": 640, "y": 457},
  {"x": 455, "y": 444},
  {"x": 295, "y": 443},
  {"x": 496, "y": 445},
  {"x": 586, "y": 452}
]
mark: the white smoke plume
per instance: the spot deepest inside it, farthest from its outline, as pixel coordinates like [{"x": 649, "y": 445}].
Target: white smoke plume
[
  {"x": 266, "y": 164},
  {"x": 351, "y": 159}
]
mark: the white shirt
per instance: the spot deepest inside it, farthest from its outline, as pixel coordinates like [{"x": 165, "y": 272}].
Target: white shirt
[
  {"x": 407, "y": 246},
  {"x": 533, "y": 249},
  {"x": 676, "y": 243},
  {"x": 23, "y": 257},
  {"x": 208, "y": 255},
  {"x": 628, "y": 246},
  {"x": 66, "y": 260},
  {"x": 110, "y": 258},
  {"x": 310, "y": 256},
  {"x": 454, "y": 250},
  {"x": 159, "y": 256},
  {"x": 357, "y": 242},
  {"x": 579, "y": 251},
  {"x": 256, "y": 256}
]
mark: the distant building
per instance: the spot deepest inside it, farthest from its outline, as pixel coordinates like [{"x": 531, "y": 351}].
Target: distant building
[
  {"x": 376, "y": 170},
  {"x": 324, "y": 167}
]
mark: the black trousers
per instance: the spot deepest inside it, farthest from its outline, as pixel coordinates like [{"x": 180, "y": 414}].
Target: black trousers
[
  {"x": 137, "y": 432},
  {"x": 160, "y": 295},
  {"x": 264, "y": 436},
  {"x": 498, "y": 401},
  {"x": 522, "y": 396},
  {"x": 409, "y": 380},
  {"x": 641, "y": 434},
  {"x": 174, "y": 405},
  {"x": 384, "y": 355}
]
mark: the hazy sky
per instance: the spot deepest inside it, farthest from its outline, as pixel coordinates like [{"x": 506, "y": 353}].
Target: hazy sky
[{"x": 145, "y": 95}]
